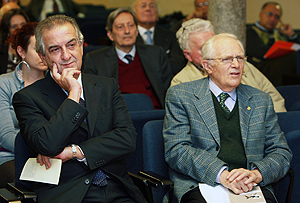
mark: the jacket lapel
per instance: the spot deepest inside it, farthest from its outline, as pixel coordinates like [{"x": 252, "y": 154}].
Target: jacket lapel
[
  {"x": 92, "y": 100},
  {"x": 205, "y": 107},
  {"x": 246, "y": 108},
  {"x": 53, "y": 94}
]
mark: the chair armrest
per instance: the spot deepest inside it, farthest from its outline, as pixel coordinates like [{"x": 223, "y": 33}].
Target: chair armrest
[
  {"x": 22, "y": 192},
  {"x": 8, "y": 196},
  {"x": 157, "y": 179},
  {"x": 144, "y": 185}
]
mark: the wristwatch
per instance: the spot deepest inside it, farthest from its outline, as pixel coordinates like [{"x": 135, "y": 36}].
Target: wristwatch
[{"x": 74, "y": 151}]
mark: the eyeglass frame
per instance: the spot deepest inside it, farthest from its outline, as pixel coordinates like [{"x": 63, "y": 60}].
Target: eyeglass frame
[
  {"x": 270, "y": 14},
  {"x": 205, "y": 3},
  {"x": 231, "y": 58}
]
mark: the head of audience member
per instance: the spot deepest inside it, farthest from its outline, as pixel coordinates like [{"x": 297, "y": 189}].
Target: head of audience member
[
  {"x": 223, "y": 59},
  {"x": 191, "y": 36},
  {"x": 201, "y": 9},
  {"x": 4, "y": 2},
  {"x": 59, "y": 42},
  {"x": 270, "y": 15},
  {"x": 11, "y": 20},
  {"x": 7, "y": 7},
  {"x": 146, "y": 12},
  {"x": 23, "y": 41},
  {"x": 122, "y": 28}
]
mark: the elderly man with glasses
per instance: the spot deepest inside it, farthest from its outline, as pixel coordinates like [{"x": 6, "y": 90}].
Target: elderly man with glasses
[
  {"x": 218, "y": 131},
  {"x": 262, "y": 35}
]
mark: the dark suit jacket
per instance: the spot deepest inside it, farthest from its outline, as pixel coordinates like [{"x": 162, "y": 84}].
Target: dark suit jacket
[
  {"x": 35, "y": 7},
  {"x": 49, "y": 122},
  {"x": 3, "y": 58},
  {"x": 167, "y": 40},
  {"x": 104, "y": 62}
]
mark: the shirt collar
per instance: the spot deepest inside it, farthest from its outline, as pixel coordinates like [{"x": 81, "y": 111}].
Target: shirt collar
[
  {"x": 142, "y": 30},
  {"x": 216, "y": 90},
  {"x": 121, "y": 53}
]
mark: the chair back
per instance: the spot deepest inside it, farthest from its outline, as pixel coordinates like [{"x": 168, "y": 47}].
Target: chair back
[
  {"x": 21, "y": 156},
  {"x": 289, "y": 121},
  {"x": 138, "y": 102},
  {"x": 134, "y": 163},
  {"x": 153, "y": 154},
  {"x": 291, "y": 95},
  {"x": 293, "y": 139}
]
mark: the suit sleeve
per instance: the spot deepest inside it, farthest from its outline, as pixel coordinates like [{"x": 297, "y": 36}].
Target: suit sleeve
[
  {"x": 118, "y": 140},
  {"x": 277, "y": 154},
  {"x": 166, "y": 69},
  {"x": 47, "y": 137},
  {"x": 180, "y": 153}
]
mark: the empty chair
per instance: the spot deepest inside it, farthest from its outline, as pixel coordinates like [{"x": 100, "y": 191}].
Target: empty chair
[
  {"x": 289, "y": 121},
  {"x": 154, "y": 159},
  {"x": 134, "y": 163},
  {"x": 291, "y": 94},
  {"x": 138, "y": 102},
  {"x": 293, "y": 139}
]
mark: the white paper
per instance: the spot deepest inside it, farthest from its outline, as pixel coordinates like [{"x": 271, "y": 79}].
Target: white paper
[
  {"x": 295, "y": 46},
  {"x": 221, "y": 194},
  {"x": 33, "y": 171}
]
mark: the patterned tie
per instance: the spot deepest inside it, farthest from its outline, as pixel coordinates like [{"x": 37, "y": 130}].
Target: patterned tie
[
  {"x": 100, "y": 177},
  {"x": 223, "y": 96},
  {"x": 148, "y": 39},
  {"x": 129, "y": 58}
]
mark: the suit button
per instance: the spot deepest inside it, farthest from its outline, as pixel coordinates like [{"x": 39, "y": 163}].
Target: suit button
[
  {"x": 217, "y": 148},
  {"x": 86, "y": 181},
  {"x": 77, "y": 115}
]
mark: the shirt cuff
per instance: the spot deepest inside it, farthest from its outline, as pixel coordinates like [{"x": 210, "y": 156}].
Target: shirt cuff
[
  {"x": 84, "y": 159},
  {"x": 219, "y": 174}
]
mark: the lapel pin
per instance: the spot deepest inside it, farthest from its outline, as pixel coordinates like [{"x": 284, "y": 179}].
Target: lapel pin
[{"x": 249, "y": 108}]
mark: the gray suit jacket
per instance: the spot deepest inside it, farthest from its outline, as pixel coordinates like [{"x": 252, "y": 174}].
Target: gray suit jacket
[
  {"x": 167, "y": 40},
  {"x": 104, "y": 62},
  {"x": 192, "y": 140}
]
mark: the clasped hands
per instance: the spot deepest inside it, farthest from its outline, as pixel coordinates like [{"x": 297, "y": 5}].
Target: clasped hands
[{"x": 240, "y": 180}]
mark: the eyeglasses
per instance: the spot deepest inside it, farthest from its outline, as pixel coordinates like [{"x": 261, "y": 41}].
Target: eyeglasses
[
  {"x": 270, "y": 14},
  {"x": 229, "y": 60},
  {"x": 205, "y": 3}
]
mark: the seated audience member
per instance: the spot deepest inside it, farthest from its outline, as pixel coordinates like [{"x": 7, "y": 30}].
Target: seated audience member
[
  {"x": 191, "y": 37},
  {"x": 81, "y": 119},
  {"x": 137, "y": 67},
  {"x": 201, "y": 11},
  {"x": 29, "y": 70},
  {"x": 262, "y": 35},
  {"x": 38, "y": 10},
  {"x": 7, "y": 7},
  {"x": 146, "y": 13},
  {"x": 218, "y": 131},
  {"x": 12, "y": 19}
]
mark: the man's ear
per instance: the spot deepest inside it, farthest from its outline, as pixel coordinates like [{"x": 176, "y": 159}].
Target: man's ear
[
  {"x": 207, "y": 66},
  {"x": 109, "y": 35},
  {"x": 187, "y": 55},
  {"x": 43, "y": 59}
]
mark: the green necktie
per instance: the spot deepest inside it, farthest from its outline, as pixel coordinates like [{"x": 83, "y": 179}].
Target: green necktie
[{"x": 223, "y": 96}]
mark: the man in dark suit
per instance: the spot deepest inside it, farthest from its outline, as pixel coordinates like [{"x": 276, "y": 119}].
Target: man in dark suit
[
  {"x": 79, "y": 118},
  {"x": 37, "y": 10},
  {"x": 138, "y": 68},
  {"x": 149, "y": 33}
]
